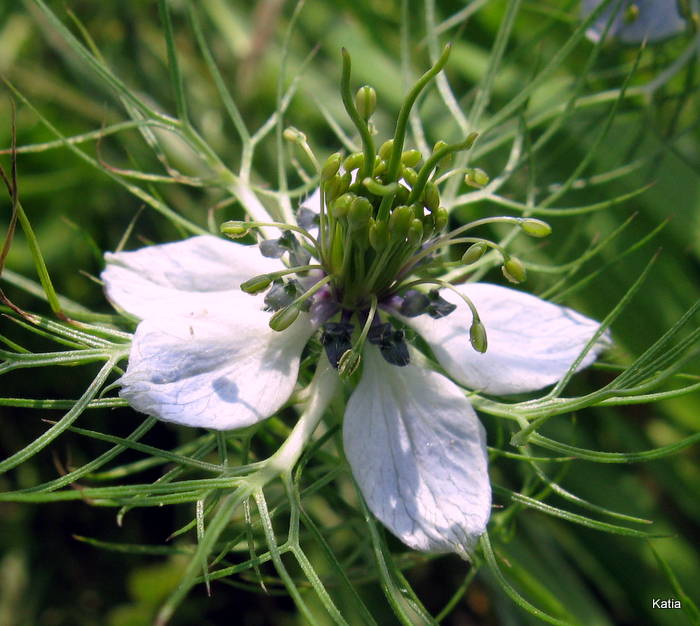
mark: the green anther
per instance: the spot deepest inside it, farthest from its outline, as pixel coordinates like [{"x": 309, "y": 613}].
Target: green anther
[
  {"x": 359, "y": 213},
  {"x": 376, "y": 188},
  {"x": 366, "y": 101},
  {"x": 331, "y": 166},
  {"x": 256, "y": 284},
  {"x": 439, "y": 145},
  {"x": 379, "y": 168},
  {"x": 415, "y": 232},
  {"x": 386, "y": 148},
  {"x": 441, "y": 217},
  {"x": 418, "y": 210},
  {"x": 431, "y": 196},
  {"x": 335, "y": 187},
  {"x": 408, "y": 174},
  {"x": 410, "y": 158},
  {"x": 514, "y": 270},
  {"x": 476, "y": 177},
  {"x": 347, "y": 179},
  {"x": 477, "y": 336},
  {"x": 294, "y": 135},
  {"x": 400, "y": 220},
  {"x": 378, "y": 234},
  {"x": 235, "y": 229},
  {"x": 428, "y": 225},
  {"x": 353, "y": 161},
  {"x": 348, "y": 363},
  {"x": 337, "y": 250},
  {"x": 341, "y": 205},
  {"x": 401, "y": 195},
  {"x": 535, "y": 228},
  {"x": 449, "y": 159},
  {"x": 284, "y": 318},
  {"x": 435, "y": 158},
  {"x": 474, "y": 253}
]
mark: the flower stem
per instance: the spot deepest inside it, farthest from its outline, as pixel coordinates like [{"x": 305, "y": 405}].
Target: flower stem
[{"x": 321, "y": 392}]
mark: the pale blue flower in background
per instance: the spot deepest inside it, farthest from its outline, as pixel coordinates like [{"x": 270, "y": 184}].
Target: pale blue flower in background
[{"x": 638, "y": 20}]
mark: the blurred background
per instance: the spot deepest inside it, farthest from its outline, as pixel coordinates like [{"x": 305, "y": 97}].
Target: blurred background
[{"x": 647, "y": 142}]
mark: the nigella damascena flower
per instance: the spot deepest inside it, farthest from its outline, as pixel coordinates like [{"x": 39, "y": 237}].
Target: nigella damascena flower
[
  {"x": 204, "y": 355},
  {"x": 223, "y": 326}
]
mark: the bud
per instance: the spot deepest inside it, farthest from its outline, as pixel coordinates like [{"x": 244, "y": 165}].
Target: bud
[
  {"x": 331, "y": 166},
  {"x": 410, "y": 158},
  {"x": 359, "y": 213},
  {"x": 378, "y": 235},
  {"x": 514, "y": 270},
  {"x": 441, "y": 218},
  {"x": 284, "y": 318},
  {"x": 474, "y": 253},
  {"x": 477, "y": 336},
  {"x": 235, "y": 229},
  {"x": 256, "y": 284},
  {"x": 386, "y": 148},
  {"x": 431, "y": 196},
  {"x": 366, "y": 101},
  {"x": 341, "y": 205},
  {"x": 353, "y": 161},
  {"x": 535, "y": 228},
  {"x": 348, "y": 363},
  {"x": 476, "y": 177},
  {"x": 400, "y": 220}
]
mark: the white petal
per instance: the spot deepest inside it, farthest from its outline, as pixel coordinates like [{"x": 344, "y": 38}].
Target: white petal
[
  {"x": 182, "y": 277},
  {"x": 531, "y": 342},
  {"x": 418, "y": 454},
  {"x": 657, "y": 19},
  {"x": 212, "y": 371}
]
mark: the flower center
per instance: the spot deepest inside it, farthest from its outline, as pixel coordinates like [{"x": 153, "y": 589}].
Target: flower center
[{"x": 380, "y": 234}]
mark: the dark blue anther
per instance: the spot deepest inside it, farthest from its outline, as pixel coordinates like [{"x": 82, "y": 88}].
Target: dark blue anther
[
  {"x": 275, "y": 248},
  {"x": 414, "y": 303},
  {"x": 391, "y": 344},
  {"x": 281, "y": 294},
  {"x": 335, "y": 338},
  {"x": 307, "y": 219},
  {"x": 439, "y": 307}
]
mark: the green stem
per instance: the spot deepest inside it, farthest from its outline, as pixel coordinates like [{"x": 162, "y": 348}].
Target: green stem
[
  {"x": 408, "y": 103},
  {"x": 360, "y": 124}
]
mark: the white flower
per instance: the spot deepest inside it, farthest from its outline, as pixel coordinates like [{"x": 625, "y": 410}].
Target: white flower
[
  {"x": 636, "y": 21},
  {"x": 204, "y": 355}
]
